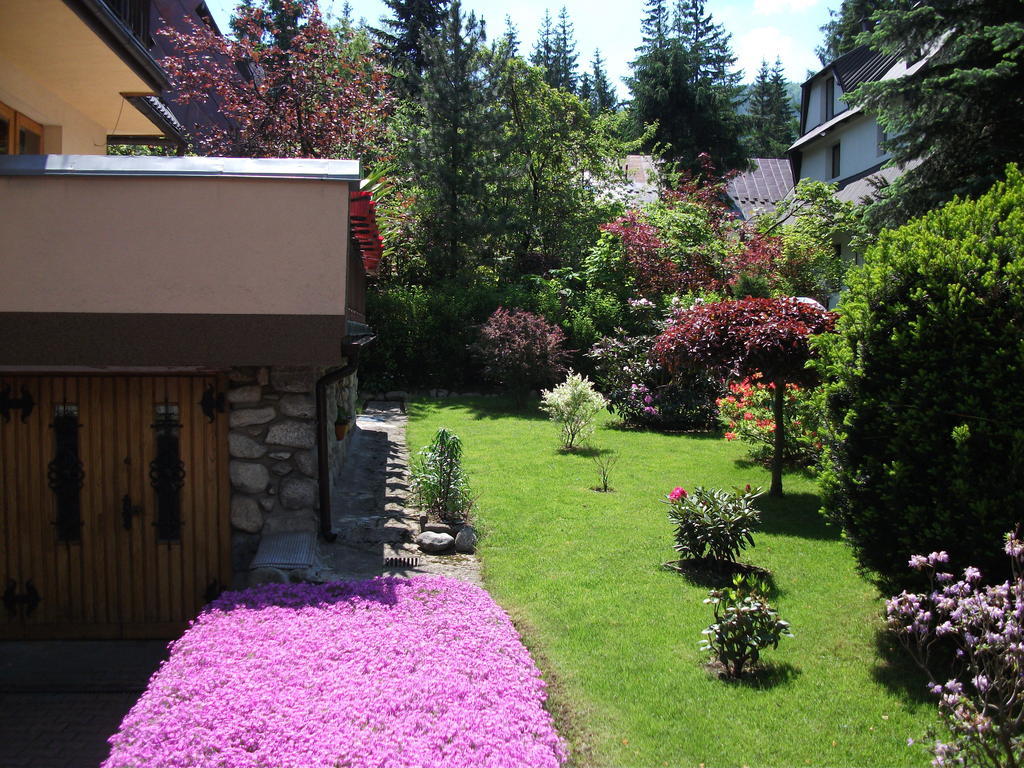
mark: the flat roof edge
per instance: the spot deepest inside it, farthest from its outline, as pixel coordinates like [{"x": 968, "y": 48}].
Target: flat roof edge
[{"x": 213, "y": 167}]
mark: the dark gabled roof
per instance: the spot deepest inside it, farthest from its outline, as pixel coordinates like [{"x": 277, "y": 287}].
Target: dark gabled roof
[
  {"x": 760, "y": 190},
  {"x": 862, "y": 65}
]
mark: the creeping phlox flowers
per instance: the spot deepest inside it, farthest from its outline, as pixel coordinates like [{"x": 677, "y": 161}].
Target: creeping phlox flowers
[{"x": 426, "y": 671}]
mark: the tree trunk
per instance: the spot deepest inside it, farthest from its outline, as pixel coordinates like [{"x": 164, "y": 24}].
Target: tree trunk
[{"x": 780, "y": 438}]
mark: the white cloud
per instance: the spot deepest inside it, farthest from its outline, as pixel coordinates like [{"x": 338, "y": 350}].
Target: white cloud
[
  {"x": 767, "y": 43},
  {"x": 773, "y": 7}
]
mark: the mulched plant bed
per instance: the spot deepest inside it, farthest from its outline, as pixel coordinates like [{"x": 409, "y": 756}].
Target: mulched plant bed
[{"x": 427, "y": 671}]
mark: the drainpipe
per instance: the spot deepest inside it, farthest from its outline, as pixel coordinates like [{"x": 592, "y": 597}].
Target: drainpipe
[{"x": 350, "y": 348}]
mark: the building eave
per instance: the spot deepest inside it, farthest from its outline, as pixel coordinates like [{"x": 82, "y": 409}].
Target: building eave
[{"x": 116, "y": 34}]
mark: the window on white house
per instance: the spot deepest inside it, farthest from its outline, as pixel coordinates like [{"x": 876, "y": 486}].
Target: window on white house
[{"x": 836, "y": 164}]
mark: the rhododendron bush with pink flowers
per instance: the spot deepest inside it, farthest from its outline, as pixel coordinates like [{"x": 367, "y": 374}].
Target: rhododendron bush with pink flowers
[{"x": 427, "y": 671}]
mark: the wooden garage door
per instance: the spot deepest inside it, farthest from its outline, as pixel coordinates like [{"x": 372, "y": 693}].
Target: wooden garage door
[{"x": 114, "y": 498}]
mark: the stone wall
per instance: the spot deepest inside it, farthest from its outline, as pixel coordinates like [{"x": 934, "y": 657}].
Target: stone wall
[{"x": 272, "y": 443}]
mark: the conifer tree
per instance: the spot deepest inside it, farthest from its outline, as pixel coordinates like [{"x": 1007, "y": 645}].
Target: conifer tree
[
  {"x": 959, "y": 113},
  {"x": 450, "y": 149},
  {"x": 565, "y": 59},
  {"x": 771, "y": 116},
  {"x": 842, "y": 30},
  {"x": 511, "y": 37},
  {"x": 603, "y": 96},
  {"x": 543, "y": 55},
  {"x": 683, "y": 79},
  {"x": 403, "y": 36}
]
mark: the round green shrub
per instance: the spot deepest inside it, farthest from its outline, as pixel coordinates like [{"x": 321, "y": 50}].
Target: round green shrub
[{"x": 925, "y": 388}]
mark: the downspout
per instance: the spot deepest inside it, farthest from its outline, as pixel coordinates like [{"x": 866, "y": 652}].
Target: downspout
[{"x": 350, "y": 348}]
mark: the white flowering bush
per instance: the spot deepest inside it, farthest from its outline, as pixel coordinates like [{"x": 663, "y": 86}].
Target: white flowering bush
[
  {"x": 983, "y": 706},
  {"x": 573, "y": 404}
]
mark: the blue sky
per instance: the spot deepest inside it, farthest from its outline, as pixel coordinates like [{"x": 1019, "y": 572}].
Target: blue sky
[{"x": 759, "y": 28}]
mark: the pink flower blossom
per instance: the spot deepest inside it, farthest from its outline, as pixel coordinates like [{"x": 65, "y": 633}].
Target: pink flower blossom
[
  {"x": 678, "y": 493},
  {"x": 427, "y": 671}
]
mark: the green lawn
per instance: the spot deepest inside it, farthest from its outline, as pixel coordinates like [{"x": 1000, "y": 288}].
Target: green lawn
[{"x": 617, "y": 636}]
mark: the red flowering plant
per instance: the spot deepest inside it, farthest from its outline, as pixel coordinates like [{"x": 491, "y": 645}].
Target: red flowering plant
[
  {"x": 746, "y": 415},
  {"x": 737, "y": 339}
]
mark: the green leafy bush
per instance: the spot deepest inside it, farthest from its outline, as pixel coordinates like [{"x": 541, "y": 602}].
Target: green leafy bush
[
  {"x": 745, "y": 624},
  {"x": 439, "y": 483},
  {"x": 926, "y": 437},
  {"x": 713, "y": 524},
  {"x": 573, "y": 404},
  {"x": 424, "y": 334}
]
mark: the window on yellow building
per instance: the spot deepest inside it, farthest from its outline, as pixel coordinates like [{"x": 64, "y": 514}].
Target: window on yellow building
[{"x": 19, "y": 135}]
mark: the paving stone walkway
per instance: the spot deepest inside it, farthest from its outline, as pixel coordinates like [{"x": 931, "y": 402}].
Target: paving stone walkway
[
  {"x": 371, "y": 511},
  {"x": 60, "y": 701}
]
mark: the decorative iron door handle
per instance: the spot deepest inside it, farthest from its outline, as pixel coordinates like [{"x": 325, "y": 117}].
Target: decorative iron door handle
[
  {"x": 30, "y": 598},
  {"x": 128, "y": 512}
]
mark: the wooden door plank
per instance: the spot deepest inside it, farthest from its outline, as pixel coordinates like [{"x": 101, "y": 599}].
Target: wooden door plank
[
  {"x": 221, "y": 504},
  {"x": 148, "y": 532},
  {"x": 66, "y": 390},
  {"x": 189, "y": 506},
  {"x": 121, "y": 451},
  {"x": 10, "y": 520},
  {"x": 35, "y": 510},
  {"x": 110, "y": 509},
  {"x": 166, "y": 614}
]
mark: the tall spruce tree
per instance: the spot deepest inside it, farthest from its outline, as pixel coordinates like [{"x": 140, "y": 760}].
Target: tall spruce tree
[
  {"x": 842, "y": 30},
  {"x": 543, "y": 55},
  {"x": 403, "y": 37},
  {"x": 959, "y": 112},
  {"x": 771, "y": 116},
  {"x": 603, "y": 97},
  {"x": 565, "y": 75},
  {"x": 451, "y": 148},
  {"x": 683, "y": 79},
  {"x": 511, "y": 37}
]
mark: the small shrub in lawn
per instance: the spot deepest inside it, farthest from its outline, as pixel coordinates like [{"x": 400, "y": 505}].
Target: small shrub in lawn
[
  {"x": 521, "y": 351},
  {"x": 712, "y": 523},
  {"x": 439, "y": 483},
  {"x": 983, "y": 707},
  {"x": 605, "y": 464},
  {"x": 746, "y": 415},
  {"x": 745, "y": 624},
  {"x": 573, "y": 404}
]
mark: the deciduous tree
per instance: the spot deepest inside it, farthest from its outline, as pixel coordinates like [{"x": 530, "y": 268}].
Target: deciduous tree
[
  {"x": 288, "y": 85},
  {"x": 747, "y": 337}
]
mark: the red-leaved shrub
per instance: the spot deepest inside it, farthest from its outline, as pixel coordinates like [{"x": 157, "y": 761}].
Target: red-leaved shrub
[{"x": 521, "y": 351}]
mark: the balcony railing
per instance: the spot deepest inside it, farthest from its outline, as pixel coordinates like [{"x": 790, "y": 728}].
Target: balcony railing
[{"x": 136, "y": 16}]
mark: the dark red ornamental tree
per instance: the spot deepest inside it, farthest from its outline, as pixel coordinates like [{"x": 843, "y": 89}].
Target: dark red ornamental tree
[
  {"x": 740, "y": 338},
  {"x": 288, "y": 84}
]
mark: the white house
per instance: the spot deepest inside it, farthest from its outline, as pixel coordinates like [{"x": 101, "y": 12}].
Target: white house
[{"x": 840, "y": 143}]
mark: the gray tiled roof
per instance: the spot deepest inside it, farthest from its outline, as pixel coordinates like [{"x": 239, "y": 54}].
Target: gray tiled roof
[
  {"x": 760, "y": 190},
  {"x": 862, "y": 65}
]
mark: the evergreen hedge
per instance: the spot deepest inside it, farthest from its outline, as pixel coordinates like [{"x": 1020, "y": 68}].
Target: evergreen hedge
[{"x": 925, "y": 392}]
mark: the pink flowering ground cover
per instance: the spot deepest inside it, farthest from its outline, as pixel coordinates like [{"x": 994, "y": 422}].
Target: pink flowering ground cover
[{"x": 427, "y": 671}]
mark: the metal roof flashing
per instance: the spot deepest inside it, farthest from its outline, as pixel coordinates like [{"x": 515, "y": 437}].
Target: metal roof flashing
[{"x": 214, "y": 167}]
